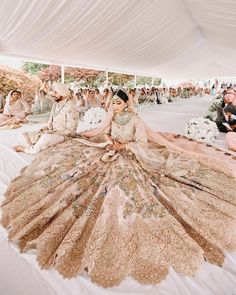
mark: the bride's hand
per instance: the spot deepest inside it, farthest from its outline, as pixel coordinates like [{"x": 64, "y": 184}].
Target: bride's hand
[{"x": 116, "y": 146}]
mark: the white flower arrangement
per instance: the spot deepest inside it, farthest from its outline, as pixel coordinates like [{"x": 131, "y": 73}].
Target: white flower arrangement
[
  {"x": 93, "y": 118},
  {"x": 210, "y": 115},
  {"x": 202, "y": 129}
]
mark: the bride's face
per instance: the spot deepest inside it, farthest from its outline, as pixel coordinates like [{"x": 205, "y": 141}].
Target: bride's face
[{"x": 118, "y": 105}]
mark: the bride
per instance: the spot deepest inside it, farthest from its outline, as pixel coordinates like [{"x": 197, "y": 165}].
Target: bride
[{"x": 123, "y": 200}]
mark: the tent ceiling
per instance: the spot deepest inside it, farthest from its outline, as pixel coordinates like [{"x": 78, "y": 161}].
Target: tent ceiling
[{"x": 163, "y": 38}]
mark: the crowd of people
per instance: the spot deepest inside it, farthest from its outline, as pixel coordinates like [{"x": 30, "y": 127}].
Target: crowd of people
[
  {"x": 14, "y": 110},
  {"x": 156, "y": 95}
]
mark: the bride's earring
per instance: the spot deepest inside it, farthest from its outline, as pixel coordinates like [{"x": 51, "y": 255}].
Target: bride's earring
[{"x": 126, "y": 108}]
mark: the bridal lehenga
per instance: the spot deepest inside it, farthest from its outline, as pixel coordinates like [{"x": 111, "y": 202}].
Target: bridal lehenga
[{"x": 164, "y": 201}]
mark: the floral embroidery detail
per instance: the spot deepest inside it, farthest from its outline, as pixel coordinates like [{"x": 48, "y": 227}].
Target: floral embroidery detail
[
  {"x": 155, "y": 209},
  {"x": 128, "y": 184},
  {"x": 128, "y": 209}
]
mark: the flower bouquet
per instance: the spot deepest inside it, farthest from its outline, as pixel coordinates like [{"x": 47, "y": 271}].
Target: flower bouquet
[
  {"x": 201, "y": 129},
  {"x": 93, "y": 118}
]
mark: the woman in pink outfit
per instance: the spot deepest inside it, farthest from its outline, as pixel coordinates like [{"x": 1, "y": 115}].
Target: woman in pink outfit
[{"x": 15, "y": 109}]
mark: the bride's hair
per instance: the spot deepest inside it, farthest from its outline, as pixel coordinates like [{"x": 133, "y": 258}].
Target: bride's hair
[{"x": 122, "y": 95}]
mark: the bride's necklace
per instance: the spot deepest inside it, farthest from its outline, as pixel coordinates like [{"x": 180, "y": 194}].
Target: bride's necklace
[{"x": 122, "y": 118}]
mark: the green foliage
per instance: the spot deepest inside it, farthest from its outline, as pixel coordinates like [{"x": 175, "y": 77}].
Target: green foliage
[
  {"x": 144, "y": 80},
  {"x": 157, "y": 81},
  {"x": 33, "y": 68},
  {"x": 100, "y": 80}
]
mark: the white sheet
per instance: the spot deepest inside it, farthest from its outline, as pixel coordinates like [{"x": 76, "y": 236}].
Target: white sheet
[
  {"x": 163, "y": 38},
  {"x": 20, "y": 274}
]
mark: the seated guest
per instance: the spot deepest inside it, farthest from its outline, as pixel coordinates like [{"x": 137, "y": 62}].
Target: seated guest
[
  {"x": 174, "y": 92},
  {"x": 80, "y": 104},
  {"x": 2, "y": 103},
  {"x": 98, "y": 97},
  {"x": 213, "y": 90},
  {"x": 158, "y": 95},
  {"x": 106, "y": 99},
  {"x": 166, "y": 93},
  {"x": 84, "y": 94},
  {"x": 162, "y": 96},
  {"x": 179, "y": 90},
  {"x": 230, "y": 116},
  {"x": 42, "y": 106},
  {"x": 134, "y": 97},
  {"x": 185, "y": 93},
  {"x": 61, "y": 126},
  {"x": 91, "y": 101},
  {"x": 201, "y": 92},
  {"x": 142, "y": 96},
  {"x": 190, "y": 92},
  {"x": 151, "y": 96},
  {"x": 226, "y": 118},
  {"x": 15, "y": 109},
  {"x": 195, "y": 91}
]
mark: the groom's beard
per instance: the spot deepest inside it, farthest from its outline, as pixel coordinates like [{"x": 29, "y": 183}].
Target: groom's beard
[{"x": 57, "y": 99}]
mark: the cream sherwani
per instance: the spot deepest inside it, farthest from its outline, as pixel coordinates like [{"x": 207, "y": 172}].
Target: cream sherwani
[{"x": 62, "y": 123}]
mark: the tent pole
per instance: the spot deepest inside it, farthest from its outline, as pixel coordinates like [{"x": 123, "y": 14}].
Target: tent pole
[
  {"x": 135, "y": 81},
  {"x": 62, "y": 74}
]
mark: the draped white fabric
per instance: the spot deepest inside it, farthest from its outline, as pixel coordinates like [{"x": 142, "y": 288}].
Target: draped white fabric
[{"x": 163, "y": 38}]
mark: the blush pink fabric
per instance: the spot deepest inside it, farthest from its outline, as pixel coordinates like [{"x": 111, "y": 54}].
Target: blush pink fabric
[
  {"x": 230, "y": 97},
  {"x": 231, "y": 140}
]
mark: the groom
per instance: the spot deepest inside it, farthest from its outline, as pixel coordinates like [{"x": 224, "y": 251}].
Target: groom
[{"x": 62, "y": 123}]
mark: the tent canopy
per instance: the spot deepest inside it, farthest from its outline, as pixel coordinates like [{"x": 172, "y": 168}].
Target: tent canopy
[{"x": 160, "y": 38}]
